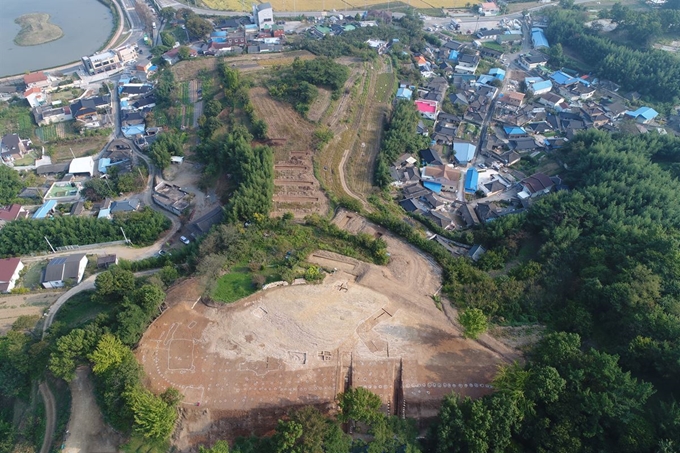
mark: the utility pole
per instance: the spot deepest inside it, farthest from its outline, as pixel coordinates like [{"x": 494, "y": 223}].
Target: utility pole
[
  {"x": 48, "y": 243},
  {"x": 127, "y": 241}
]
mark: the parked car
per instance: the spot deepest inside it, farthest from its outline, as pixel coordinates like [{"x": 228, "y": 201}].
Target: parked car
[{"x": 184, "y": 239}]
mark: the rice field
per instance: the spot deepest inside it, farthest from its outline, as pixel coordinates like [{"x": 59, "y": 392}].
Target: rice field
[{"x": 328, "y": 5}]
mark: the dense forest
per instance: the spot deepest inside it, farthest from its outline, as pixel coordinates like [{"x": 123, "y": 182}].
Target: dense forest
[
  {"x": 23, "y": 237},
  {"x": 653, "y": 73}
]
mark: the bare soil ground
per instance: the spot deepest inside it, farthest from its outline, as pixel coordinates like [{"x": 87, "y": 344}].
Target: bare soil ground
[
  {"x": 187, "y": 176},
  {"x": 87, "y": 431},
  {"x": 296, "y": 189},
  {"x": 241, "y": 366},
  {"x": 13, "y": 306},
  {"x": 80, "y": 147},
  {"x": 319, "y": 106}
]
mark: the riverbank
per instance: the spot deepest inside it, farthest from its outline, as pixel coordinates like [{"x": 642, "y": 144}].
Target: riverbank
[{"x": 36, "y": 29}]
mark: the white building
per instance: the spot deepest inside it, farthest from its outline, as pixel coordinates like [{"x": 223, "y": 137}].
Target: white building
[
  {"x": 9, "y": 273},
  {"x": 60, "y": 270},
  {"x": 263, "y": 16},
  {"x": 82, "y": 165},
  {"x": 102, "y": 62}
]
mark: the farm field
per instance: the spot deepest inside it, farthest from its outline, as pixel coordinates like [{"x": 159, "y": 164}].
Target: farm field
[
  {"x": 339, "y": 5},
  {"x": 13, "y": 306}
]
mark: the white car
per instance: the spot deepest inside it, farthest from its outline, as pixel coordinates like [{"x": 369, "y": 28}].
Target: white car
[{"x": 184, "y": 239}]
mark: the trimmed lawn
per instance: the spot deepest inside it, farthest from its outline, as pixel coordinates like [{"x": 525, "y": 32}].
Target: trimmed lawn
[{"x": 234, "y": 286}]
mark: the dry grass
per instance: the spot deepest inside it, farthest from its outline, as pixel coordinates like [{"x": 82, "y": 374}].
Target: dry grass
[
  {"x": 319, "y": 106},
  {"x": 88, "y": 146},
  {"x": 327, "y": 5}
]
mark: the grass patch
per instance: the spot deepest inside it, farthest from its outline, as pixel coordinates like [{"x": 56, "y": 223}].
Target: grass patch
[
  {"x": 138, "y": 444},
  {"x": 16, "y": 119},
  {"x": 32, "y": 275},
  {"x": 494, "y": 46},
  {"x": 80, "y": 309},
  {"x": 234, "y": 286},
  {"x": 385, "y": 86}
]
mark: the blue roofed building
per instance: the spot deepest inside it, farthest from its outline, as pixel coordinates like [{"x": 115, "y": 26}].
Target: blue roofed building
[
  {"x": 497, "y": 73},
  {"x": 404, "y": 93},
  {"x": 435, "y": 187},
  {"x": 562, "y": 78},
  {"x": 515, "y": 132},
  {"x": 471, "y": 180},
  {"x": 538, "y": 38},
  {"x": 453, "y": 55},
  {"x": 643, "y": 115},
  {"x": 103, "y": 163},
  {"x": 539, "y": 86},
  {"x": 45, "y": 209},
  {"x": 464, "y": 152}
]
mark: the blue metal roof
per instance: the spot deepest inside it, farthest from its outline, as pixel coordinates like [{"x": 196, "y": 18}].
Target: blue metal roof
[
  {"x": 104, "y": 214},
  {"x": 647, "y": 113},
  {"x": 404, "y": 93},
  {"x": 514, "y": 130},
  {"x": 433, "y": 186},
  {"x": 543, "y": 85},
  {"x": 129, "y": 131},
  {"x": 464, "y": 151},
  {"x": 532, "y": 80},
  {"x": 562, "y": 78},
  {"x": 453, "y": 55},
  {"x": 471, "y": 179},
  {"x": 498, "y": 73},
  {"x": 103, "y": 163},
  {"x": 485, "y": 79},
  {"x": 45, "y": 209},
  {"x": 538, "y": 38}
]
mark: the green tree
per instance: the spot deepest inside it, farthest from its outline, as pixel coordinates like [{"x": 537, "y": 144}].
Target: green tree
[
  {"x": 198, "y": 27},
  {"x": 360, "y": 405},
  {"x": 219, "y": 447},
  {"x": 113, "y": 284},
  {"x": 473, "y": 321},
  {"x": 109, "y": 352},
  {"x": 154, "y": 418},
  {"x": 10, "y": 185}
]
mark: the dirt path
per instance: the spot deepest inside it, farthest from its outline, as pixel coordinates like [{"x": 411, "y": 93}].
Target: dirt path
[
  {"x": 87, "y": 431},
  {"x": 50, "y": 416},
  {"x": 343, "y": 180}
]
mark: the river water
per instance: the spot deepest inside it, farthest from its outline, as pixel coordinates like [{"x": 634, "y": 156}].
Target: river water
[{"x": 86, "y": 25}]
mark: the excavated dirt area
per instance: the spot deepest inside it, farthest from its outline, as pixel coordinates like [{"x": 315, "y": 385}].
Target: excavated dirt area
[{"x": 242, "y": 366}]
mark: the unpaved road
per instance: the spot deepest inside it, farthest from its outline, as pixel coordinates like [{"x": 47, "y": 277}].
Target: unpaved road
[{"x": 86, "y": 427}]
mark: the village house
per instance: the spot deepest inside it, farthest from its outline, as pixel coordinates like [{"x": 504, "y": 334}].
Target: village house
[
  {"x": 551, "y": 100},
  {"x": 12, "y": 147},
  {"x": 12, "y": 212},
  {"x": 532, "y": 60},
  {"x": 35, "y": 96},
  {"x": 489, "y": 35},
  {"x": 46, "y": 114},
  {"x": 535, "y": 185},
  {"x": 439, "y": 178},
  {"x": 489, "y": 9},
  {"x": 427, "y": 109},
  {"x": 486, "y": 212},
  {"x": 467, "y": 63},
  {"x": 87, "y": 108},
  {"x": 36, "y": 79},
  {"x": 643, "y": 115},
  {"x": 10, "y": 269},
  {"x": 512, "y": 99},
  {"x": 63, "y": 269}
]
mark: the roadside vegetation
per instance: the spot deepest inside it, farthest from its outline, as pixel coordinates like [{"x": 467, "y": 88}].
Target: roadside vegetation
[{"x": 23, "y": 237}]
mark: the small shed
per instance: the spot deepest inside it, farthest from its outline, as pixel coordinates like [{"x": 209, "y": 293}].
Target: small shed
[{"x": 103, "y": 262}]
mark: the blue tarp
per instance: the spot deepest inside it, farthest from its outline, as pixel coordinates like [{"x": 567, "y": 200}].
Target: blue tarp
[
  {"x": 471, "y": 178},
  {"x": 433, "y": 186},
  {"x": 45, "y": 209},
  {"x": 453, "y": 55}
]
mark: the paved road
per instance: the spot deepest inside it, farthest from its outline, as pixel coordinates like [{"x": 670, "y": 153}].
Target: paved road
[{"x": 50, "y": 416}]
